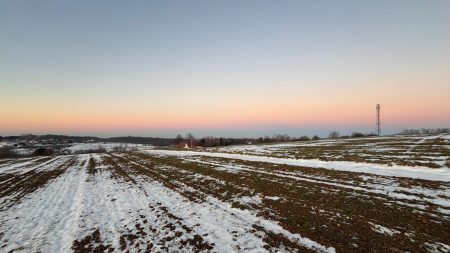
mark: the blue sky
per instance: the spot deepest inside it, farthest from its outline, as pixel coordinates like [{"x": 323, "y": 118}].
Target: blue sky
[{"x": 222, "y": 67}]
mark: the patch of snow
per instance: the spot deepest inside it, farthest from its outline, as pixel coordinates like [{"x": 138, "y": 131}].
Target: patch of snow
[
  {"x": 437, "y": 247},
  {"x": 439, "y": 174},
  {"x": 424, "y": 139},
  {"x": 108, "y": 146},
  {"x": 275, "y": 198},
  {"x": 383, "y": 230},
  {"x": 43, "y": 221},
  {"x": 446, "y": 137},
  {"x": 245, "y": 200},
  {"x": 383, "y": 186}
]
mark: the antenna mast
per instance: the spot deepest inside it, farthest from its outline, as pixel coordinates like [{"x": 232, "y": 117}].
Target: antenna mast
[{"x": 378, "y": 120}]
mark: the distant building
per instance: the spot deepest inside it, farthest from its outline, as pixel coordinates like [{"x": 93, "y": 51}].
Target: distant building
[{"x": 187, "y": 144}]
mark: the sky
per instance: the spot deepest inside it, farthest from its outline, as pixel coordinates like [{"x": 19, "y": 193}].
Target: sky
[{"x": 222, "y": 68}]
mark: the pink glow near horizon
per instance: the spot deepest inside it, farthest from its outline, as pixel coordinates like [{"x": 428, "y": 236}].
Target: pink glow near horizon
[{"x": 305, "y": 116}]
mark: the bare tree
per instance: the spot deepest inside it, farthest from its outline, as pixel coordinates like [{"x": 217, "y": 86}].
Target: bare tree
[
  {"x": 179, "y": 139},
  {"x": 190, "y": 138},
  {"x": 334, "y": 135}
]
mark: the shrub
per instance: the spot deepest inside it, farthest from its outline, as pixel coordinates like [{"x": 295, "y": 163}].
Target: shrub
[
  {"x": 357, "y": 135},
  {"x": 6, "y": 152},
  {"x": 43, "y": 152},
  {"x": 304, "y": 138}
]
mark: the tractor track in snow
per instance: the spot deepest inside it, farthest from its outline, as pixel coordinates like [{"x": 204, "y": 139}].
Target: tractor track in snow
[{"x": 163, "y": 203}]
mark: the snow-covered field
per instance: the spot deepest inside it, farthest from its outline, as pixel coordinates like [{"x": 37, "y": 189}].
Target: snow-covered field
[
  {"x": 27, "y": 149},
  {"x": 423, "y": 151},
  {"x": 222, "y": 201},
  {"x": 108, "y": 146}
]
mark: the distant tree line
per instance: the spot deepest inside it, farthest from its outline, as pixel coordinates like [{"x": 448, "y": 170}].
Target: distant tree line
[
  {"x": 140, "y": 140},
  {"x": 62, "y": 138},
  {"x": 210, "y": 141},
  {"x": 189, "y": 139},
  {"x": 337, "y": 135},
  {"x": 426, "y": 131},
  {"x": 9, "y": 152}
]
